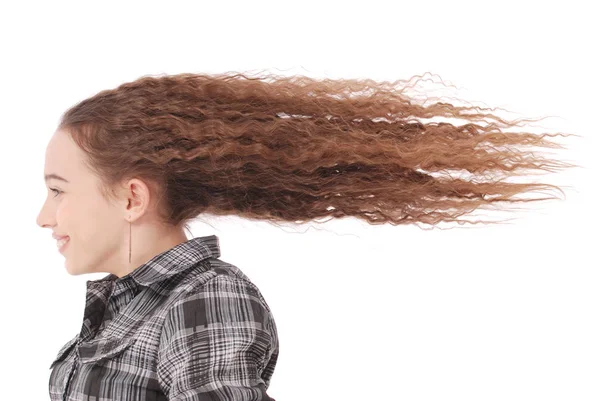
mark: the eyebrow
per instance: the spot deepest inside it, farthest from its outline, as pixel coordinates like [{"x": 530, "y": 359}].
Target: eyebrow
[{"x": 57, "y": 177}]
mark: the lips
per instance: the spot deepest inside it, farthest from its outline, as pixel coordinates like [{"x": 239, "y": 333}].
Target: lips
[{"x": 61, "y": 244}]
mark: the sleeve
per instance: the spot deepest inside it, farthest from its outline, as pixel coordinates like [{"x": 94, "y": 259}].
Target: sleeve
[{"x": 218, "y": 344}]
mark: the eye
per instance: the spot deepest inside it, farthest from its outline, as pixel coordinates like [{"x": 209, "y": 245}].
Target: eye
[{"x": 57, "y": 191}]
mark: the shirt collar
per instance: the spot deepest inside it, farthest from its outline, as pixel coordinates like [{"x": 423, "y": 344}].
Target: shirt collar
[{"x": 170, "y": 262}]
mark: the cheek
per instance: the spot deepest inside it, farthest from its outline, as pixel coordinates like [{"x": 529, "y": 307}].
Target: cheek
[
  {"x": 74, "y": 215},
  {"x": 63, "y": 216},
  {"x": 94, "y": 217}
]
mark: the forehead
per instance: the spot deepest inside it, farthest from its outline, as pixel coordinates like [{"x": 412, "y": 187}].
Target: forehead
[
  {"x": 62, "y": 155},
  {"x": 59, "y": 141}
]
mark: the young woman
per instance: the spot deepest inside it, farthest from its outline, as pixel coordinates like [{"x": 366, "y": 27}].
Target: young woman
[{"x": 129, "y": 168}]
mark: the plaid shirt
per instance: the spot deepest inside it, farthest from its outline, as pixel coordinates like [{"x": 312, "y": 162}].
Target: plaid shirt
[{"x": 184, "y": 326}]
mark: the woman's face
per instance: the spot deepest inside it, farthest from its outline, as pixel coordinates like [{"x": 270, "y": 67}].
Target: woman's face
[{"x": 95, "y": 226}]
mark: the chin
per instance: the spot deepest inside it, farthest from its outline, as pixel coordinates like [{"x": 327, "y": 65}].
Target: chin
[{"x": 71, "y": 272}]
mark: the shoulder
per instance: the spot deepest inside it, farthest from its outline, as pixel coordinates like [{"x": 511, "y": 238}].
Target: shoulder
[
  {"x": 220, "y": 295},
  {"x": 205, "y": 271}
]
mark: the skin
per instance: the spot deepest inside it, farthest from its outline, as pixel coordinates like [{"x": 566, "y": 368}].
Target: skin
[{"x": 99, "y": 230}]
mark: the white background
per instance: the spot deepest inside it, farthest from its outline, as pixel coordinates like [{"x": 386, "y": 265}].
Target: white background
[{"x": 506, "y": 312}]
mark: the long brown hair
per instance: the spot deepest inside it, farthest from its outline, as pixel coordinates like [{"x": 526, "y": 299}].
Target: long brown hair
[{"x": 295, "y": 149}]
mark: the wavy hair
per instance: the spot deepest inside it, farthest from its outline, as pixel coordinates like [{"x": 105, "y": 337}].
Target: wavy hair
[{"x": 296, "y": 149}]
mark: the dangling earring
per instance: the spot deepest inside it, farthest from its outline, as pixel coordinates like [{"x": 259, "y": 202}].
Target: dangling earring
[{"x": 129, "y": 239}]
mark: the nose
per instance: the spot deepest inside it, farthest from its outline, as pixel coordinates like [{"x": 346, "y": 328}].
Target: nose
[
  {"x": 38, "y": 221},
  {"x": 41, "y": 219}
]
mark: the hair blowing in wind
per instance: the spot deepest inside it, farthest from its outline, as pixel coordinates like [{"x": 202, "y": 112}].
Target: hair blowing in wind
[{"x": 295, "y": 149}]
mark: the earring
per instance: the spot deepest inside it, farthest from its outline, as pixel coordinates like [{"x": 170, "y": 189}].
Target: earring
[{"x": 130, "y": 239}]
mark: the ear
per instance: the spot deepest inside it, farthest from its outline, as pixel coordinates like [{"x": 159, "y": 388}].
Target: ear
[{"x": 135, "y": 198}]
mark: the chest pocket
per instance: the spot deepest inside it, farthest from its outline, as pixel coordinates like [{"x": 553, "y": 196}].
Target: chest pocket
[
  {"x": 104, "y": 349},
  {"x": 64, "y": 351}
]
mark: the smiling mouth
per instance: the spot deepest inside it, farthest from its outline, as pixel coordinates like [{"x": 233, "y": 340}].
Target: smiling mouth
[{"x": 61, "y": 244}]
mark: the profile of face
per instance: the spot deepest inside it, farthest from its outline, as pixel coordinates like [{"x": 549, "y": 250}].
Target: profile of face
[
  {"x": 74, "y": 207},
  {"x": 99, "y": 229}
]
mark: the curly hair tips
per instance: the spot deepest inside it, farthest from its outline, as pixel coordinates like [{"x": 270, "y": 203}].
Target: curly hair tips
[{"x": 298, "y": 149}]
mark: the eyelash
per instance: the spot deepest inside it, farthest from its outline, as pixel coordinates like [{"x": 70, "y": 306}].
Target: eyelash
[{"x": 57, "y": 190}]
